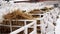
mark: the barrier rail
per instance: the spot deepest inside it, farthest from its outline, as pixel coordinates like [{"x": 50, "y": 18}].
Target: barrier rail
[
  {"x": 25, "y": 28},
  {"x": 47, "y": 21}
]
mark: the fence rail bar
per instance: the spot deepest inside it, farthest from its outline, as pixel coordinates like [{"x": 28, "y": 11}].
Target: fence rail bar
[{"x": 22, "y": 28}]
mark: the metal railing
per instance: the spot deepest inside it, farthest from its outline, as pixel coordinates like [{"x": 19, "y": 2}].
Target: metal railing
[
  {"x": 25, "y": 28},
  {"x": 47, "y": 20}
]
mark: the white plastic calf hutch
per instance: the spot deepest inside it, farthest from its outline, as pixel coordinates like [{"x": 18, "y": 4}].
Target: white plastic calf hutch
[{"x": 47, "y": 19}]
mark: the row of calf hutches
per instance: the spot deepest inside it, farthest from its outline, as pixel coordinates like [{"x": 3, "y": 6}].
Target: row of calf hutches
[{"x": 19, "y": 18}]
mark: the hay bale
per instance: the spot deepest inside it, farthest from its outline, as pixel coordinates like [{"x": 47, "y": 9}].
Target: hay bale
[
  {"x": 15, "y": 28},
  {"x": 17, "y": 23},
  {"x": 30, "y": 30},
  {"x": 17, "y": 15},
  {"x": 38, "y": 29},
  {"x": 36, "y": 11},
  {"x": 4, "y": 29},
  {"x": 5, "y": 22}
]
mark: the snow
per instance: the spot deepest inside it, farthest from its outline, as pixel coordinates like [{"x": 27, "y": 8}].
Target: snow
[{"x": 57, "y": 27}]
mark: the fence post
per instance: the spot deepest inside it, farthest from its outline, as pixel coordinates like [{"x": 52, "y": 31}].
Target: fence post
[
  {"x": 26, "y": 32},
  {"x": 35, "y": 27}
]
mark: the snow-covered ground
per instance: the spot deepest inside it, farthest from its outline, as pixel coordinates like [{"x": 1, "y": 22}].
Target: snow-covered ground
[{"x": 57, "y": 27}]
